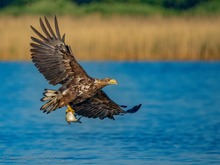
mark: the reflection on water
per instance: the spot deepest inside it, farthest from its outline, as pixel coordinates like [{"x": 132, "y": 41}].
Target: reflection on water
[{"x": 179, "y": 122}]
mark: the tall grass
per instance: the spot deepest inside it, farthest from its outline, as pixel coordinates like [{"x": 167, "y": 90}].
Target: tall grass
[{"x": 120, "y": 38}]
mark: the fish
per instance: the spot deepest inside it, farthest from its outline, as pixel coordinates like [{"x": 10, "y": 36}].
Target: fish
[{"x": 71, "y": 117}]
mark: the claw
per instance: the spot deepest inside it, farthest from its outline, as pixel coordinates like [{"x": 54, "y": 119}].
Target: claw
[{"x": 70, "y": 109}]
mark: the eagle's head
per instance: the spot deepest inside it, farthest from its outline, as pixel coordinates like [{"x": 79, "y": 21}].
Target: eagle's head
[{"x": 104, "y": 82}]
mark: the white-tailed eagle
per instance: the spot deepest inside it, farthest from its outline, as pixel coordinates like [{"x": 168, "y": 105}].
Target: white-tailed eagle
[{"x": 79, "y": 92}]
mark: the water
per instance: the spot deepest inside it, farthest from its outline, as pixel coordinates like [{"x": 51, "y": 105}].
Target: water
[{"x": 179, "y": 122}]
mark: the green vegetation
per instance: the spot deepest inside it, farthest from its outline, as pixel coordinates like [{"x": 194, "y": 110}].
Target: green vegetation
[{"x": 109, "y": 7}]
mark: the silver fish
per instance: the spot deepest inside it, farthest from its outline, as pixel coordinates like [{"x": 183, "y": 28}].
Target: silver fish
[{"x": 70, "y": 117}]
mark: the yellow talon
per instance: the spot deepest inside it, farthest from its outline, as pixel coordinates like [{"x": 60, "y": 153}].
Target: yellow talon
[
  {"x": 70, "y": 115},
  {"x": 69, "y": 109}
]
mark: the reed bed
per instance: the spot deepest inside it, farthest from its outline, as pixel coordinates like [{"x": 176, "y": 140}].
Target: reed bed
[{"x": 120, "y": 38}]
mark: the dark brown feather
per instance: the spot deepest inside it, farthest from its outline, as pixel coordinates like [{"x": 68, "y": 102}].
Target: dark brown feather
[
  {"x": 52, "y": 56},
  {"x": 57, "y": 28},
  {"x": 101, "y": 106}
]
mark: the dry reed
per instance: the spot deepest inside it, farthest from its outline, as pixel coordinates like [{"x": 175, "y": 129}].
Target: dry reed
[{"x": 120, "y": 38}]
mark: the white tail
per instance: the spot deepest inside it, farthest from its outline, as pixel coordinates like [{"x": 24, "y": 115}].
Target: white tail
[{"x": 52, "y": 97}]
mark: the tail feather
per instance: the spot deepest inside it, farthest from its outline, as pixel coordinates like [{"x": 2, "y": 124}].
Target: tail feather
[
  {"x": 47, "y": 105},
  {"x": 50, "y": 90},
  {"x": 52, "y": 97},
  {"x": 53, "y": 108},
  {"x": 45, "y": 98}
]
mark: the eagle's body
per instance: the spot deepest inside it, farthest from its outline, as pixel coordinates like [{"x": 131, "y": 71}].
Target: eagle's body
[{"x": 55, "y": 60}]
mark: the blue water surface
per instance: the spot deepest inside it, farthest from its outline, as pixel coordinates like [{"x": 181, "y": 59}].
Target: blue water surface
[{"x": 179, "y": 122}]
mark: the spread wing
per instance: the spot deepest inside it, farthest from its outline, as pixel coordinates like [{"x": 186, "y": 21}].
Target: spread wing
[
  {"x": 53, "y": 58},
  {"x": 101, "y": 106}
]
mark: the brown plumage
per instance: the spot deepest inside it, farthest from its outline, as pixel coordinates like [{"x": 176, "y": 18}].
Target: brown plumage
[
  {"x": 101, "y": 106},
  {"x": 55, "y": 60}
]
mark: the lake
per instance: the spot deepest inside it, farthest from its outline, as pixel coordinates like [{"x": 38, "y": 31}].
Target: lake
[{"x": 178, "y": 123}]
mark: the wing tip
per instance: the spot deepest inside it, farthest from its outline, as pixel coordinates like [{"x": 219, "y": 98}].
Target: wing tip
[{"x": 134, "y": 109}]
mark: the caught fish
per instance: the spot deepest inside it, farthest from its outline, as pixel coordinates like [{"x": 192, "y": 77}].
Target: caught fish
[{"x": 71, "y": 117}]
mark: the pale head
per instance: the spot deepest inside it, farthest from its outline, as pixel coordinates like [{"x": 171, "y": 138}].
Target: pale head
[{"x": 105, "y": 82}]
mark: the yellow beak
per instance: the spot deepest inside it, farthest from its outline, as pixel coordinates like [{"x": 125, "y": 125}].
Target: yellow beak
[{"x": 112, "y": 81}]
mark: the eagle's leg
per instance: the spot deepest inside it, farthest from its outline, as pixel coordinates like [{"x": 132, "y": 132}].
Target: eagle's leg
[{"x": 69, "y": 109}]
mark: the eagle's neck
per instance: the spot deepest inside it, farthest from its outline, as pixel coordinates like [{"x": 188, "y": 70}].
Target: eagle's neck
[{"x": 99, "y": 83}]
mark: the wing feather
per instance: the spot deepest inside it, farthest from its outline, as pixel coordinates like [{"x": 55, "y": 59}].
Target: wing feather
[
  {"x": 96, "y": 111},
  {"x": 45, "y": 30},
  {"x": 49, "y": 27},
  {"x": 57, "y": 28},
  {"x": 101, "y": 106},
  {"x": 40, "y": 35},
  {"x": 52, "y": 57}
]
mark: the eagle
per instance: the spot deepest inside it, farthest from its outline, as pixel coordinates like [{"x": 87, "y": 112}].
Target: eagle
[{"x": 80, "y": 93}]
